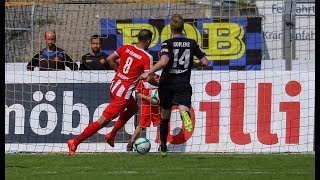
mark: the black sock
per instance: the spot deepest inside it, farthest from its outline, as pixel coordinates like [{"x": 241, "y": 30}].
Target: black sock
[{"x": 164, "y": 131}]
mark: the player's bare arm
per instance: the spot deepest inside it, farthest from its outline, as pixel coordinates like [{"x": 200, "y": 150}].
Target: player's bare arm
[
  {"x": 159, "y": 65},
  {"x": 202, "y": 63},
  {"x": 146, "y": 98},
  {"x": 112, "y": 60},
  {"x": 152, "y": 81},
  {"x": 140, "y": 95}
]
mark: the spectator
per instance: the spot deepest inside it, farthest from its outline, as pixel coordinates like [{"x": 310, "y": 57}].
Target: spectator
[
  {"x": 97, "y": 59},
  {"x": 51, "y": 58}
]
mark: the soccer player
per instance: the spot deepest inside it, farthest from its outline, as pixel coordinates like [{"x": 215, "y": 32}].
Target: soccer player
[
  {"x": 97, "y": 59},
  {"x": 150, "y": 110},
  {"x": 176, "y": 60},
  {"x": 134, "y": 61},
  {"x": 51, "y": 58}
]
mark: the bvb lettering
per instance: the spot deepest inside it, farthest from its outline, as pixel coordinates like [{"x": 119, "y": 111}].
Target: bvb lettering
[{"x": 225, "y": 40}]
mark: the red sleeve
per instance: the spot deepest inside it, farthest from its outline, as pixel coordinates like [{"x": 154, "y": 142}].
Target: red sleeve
[
  {"x": 139, "y": 87},
  {"x": 147, "y": 64},
  {"x": 120, "y": 50}
]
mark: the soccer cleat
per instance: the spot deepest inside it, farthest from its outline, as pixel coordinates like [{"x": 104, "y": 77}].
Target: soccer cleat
[
  {"x": 72, "y": 147},
  {"x": 163, "y": 150},
  {"x": 185, "y": 116},
  {"x": 109, "y": 139},
  {"x": 130, "y": 146}
]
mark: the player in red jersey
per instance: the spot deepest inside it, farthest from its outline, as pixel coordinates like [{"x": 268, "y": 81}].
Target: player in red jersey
[
  {"x": 134, "y": 60},
  {"x": 150, "y": 110}
]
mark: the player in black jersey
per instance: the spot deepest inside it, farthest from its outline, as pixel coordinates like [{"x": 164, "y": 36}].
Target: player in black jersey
[
  {"x": 51, "y": 58},
  {"x": 176, "y": 60},
  {"x": 97, "y": 59}
]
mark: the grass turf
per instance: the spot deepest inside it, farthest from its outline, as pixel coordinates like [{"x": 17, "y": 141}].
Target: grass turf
[{"x": 153, "y": 166}]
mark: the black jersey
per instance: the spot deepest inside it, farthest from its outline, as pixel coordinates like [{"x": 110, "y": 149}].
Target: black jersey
[
  {"x": 91, "y": 62},
  {"x": 52, "y": 60},
  {"x": 180, "y": 51}
]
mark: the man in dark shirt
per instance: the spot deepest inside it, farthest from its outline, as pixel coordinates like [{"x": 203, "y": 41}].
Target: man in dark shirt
[
  {"x": 176, "y": 60},
  {"x": 97, "y": 59},
  {"x": 51, "y": 58}
]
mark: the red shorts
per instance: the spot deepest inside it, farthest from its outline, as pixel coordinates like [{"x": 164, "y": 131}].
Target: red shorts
[
  {"x": 118, "y": 105},
  {"x": 149, "y": 114}
]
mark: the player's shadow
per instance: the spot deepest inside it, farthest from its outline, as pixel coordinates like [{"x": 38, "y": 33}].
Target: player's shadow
[{"x": 177, "y": 147}]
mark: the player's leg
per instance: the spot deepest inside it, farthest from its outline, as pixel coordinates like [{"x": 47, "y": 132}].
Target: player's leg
[
  {"x": 165, "y": 96},
  {"x": 134, "y": 137},
  {"x": 144, "y": 122},
  {"x": 186, "y": 117},
  {"x": 156, "y": 119},
  {"x": 109, "y": 113},
  {"x": 90, "y": 130},
  {"x": 164, "y": 124},
  {"x": 132, "y": 108},
  {"x": 182, "y": 97}
]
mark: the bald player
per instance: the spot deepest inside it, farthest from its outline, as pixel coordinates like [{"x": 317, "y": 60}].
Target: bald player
[
  {"x": 51, "y": 58},
  {"x": 134, "y": 61}
]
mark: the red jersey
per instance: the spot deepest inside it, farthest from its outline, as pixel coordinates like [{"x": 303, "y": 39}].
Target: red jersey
[
  {"x": 133, "y": 62},
  {"x": 149, "y": 113},
  {"x": 145, "y": 88}
]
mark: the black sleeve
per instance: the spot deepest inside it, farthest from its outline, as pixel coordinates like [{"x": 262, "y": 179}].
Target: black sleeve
[
  {"x": 106, "y": 64},
  {"x": 82, "y": 64},
  {"x": 70, "y": 63},
  {"x": 164, "y": 49},
  {"x": 199, "y": 52},
  {"x": 34, "y": 62}
]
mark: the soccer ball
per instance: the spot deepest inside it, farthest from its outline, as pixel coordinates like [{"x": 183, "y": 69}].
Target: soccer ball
[
  {"x": 154, "y": 95},
  {"x": 142, "y": 145}
]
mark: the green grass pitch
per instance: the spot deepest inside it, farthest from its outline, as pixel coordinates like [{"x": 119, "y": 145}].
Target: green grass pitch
[{"x": 153, "y": 166}]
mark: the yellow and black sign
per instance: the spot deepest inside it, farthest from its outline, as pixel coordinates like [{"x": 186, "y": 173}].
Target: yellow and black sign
[{"x": 230, "y": 44}]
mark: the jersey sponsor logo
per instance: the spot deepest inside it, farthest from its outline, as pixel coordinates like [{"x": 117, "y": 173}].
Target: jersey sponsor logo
[
  {"x": 177, "y": 71},
  {"x": 88, "y": 60}
]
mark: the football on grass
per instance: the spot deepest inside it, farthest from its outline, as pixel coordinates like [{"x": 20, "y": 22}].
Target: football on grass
[{"x": 142, "y": 145}]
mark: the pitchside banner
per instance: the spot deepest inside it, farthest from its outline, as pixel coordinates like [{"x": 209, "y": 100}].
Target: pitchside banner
[
  {"x": 251, "y": 111},
  {"x": 230, "y": 44}
]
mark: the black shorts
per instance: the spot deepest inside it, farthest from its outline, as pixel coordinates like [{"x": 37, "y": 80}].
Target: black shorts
[{"x": 175, "y": 94}]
